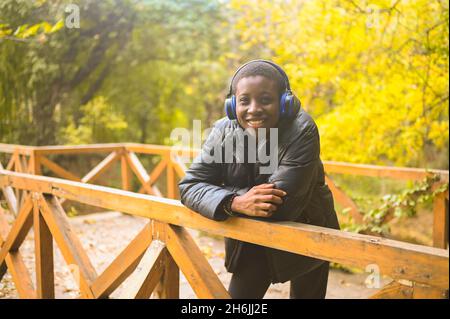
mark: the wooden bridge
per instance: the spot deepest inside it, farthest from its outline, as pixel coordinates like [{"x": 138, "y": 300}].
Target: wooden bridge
[{"x": 163, "y": 247}]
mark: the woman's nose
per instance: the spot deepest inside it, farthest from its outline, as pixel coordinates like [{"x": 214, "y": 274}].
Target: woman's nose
[{"x": 254, "y": 107}]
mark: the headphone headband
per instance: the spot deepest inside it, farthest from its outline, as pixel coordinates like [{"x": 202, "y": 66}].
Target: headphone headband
[{"x": 286, "y": 79}]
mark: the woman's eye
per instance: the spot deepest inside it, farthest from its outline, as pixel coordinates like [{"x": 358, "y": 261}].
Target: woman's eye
[
  {"x": 266, "y": 100},
  {"x": 243, "y": 101}
]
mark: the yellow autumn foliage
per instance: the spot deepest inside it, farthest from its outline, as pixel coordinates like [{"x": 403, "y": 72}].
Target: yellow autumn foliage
[{"x": 373, "y": 74}]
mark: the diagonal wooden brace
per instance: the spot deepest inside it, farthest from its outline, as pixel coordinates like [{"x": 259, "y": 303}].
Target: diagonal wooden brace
[{"x": 18, "y": 232}]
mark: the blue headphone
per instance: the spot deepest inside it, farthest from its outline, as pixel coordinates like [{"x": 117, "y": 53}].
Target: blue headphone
[{"x": 289, "y": 104}]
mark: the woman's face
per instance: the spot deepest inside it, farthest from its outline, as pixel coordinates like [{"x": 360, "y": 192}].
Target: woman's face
[{"x": 257, "y": 102}]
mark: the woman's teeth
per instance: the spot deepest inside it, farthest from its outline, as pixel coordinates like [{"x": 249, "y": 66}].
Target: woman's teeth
[{"x": 259, "y": 122}]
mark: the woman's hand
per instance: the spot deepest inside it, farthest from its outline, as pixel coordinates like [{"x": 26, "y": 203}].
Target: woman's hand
[{"x": 259, "y": 201}]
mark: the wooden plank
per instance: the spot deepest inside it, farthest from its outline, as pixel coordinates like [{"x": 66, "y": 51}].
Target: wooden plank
[
  {"x": 409, "y": 290},
  {"x": 13, "y": 148},
  {"x": 426, "y": 265},
  {"x": 34, "y": 165},
  {"x": 170, "y": 181},
  {"x": 156, "y": 191},
  {"x": 193, "y": 264},
  {"x": 4, "y": 225},
  {"x": 139, "y": 171},
  {"x": 17, "y": 234},
  {"x": 58, "y": 170},
  {"x": 154, "y": 175},
  {"x": 20, "y": 195},
  {"x": 20, "y": 276},
  {"x": 125, "y": 174},
  {"x": 11, "y": 200},
  {"x": 169, "y": 285},
  {"x": 20, "y": 165},
  {"x": 67, "y": 241},
  {"x": 440, "y": 222},
  {"x": 79, "y": 149},
  {"x": 344, "y": 200},
  {"x": 25, "y": 164},
  {"x": 43, "y": 247},
  {"x": 147, "y": 274},
  {"x": 427, "y": 292},
  {"x": 16, "y": 266},
  {"x": 11, "y": 163},
  {"x": 153, "y": 149},
  {"x": 10, "y": 197},
  {"x": 123, "y": 265},
  {"x": 403, "y": 173},
  {"x": 394, "y": 290},
  {"x": 100, "y": 168}
]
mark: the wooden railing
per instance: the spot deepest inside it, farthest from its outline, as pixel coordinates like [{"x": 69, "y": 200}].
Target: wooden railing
[
  {"x": 164, "y": 246},
  {"x": 33, "y": 159}
]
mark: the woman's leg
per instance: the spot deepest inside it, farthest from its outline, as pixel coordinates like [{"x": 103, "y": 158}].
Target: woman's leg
[
  {"x": 252, "y": 277},
  {"x": 312, "y": 285}
]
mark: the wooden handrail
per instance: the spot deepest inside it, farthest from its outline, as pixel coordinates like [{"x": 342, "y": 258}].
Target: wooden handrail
[
  {"x": 171, "y": 163},
  {"x": 402, "y": 173},
  {"x": 425, "y": 265},
  {"x": 21, "y": 149}
]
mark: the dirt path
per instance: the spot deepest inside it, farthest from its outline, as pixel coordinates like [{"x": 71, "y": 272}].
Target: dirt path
[{"x": 105, "y": 235}]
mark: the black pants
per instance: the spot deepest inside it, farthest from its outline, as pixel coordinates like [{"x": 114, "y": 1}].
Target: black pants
[{"x": 252, "y": 279}]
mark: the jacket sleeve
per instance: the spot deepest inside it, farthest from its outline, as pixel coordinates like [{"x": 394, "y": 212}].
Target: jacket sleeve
[
  {"x": 296, "y": 174},
  {"x": 201, "y": 189}
]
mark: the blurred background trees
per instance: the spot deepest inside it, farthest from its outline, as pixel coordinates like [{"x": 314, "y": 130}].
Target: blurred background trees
[{"x": 374, "y": 74}]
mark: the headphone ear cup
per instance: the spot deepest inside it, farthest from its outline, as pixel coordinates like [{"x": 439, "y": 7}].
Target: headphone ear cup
[
  {"x": 289, "y": 106},
  {"x": 230, "y": 107},
  {"x": 283, "y": 105}
]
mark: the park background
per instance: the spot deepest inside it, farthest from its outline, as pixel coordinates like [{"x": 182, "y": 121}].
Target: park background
[{"x": 373, "y": 74}]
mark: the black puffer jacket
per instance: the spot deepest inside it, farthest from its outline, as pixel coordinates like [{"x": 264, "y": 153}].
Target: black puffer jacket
[{"x": 300, "y": 173}]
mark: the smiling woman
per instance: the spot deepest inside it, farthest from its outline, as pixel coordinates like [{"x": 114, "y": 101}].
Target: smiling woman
[{"x": 260, "y": 98}]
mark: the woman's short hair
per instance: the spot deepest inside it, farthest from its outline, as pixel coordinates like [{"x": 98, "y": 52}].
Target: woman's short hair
[{"x": 263, "y": 69}]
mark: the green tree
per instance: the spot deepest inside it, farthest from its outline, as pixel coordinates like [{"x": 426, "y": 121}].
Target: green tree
[{"x": 155, "y": 64}]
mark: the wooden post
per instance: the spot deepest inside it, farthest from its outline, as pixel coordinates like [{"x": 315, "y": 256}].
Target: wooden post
[
  {"x": 69, "y": 244},
  {"x": 43, "y": 243},
  {"x": 171, "y": 279},
  {"x": 34, "y": 166},
  {"x": 169, "y": 285},
  {"x": 440, "y": 221},
  {"x": 125, "y": 172},
  {"x": 17, "y": 168},
  {"x": 170, "y": 178}
]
